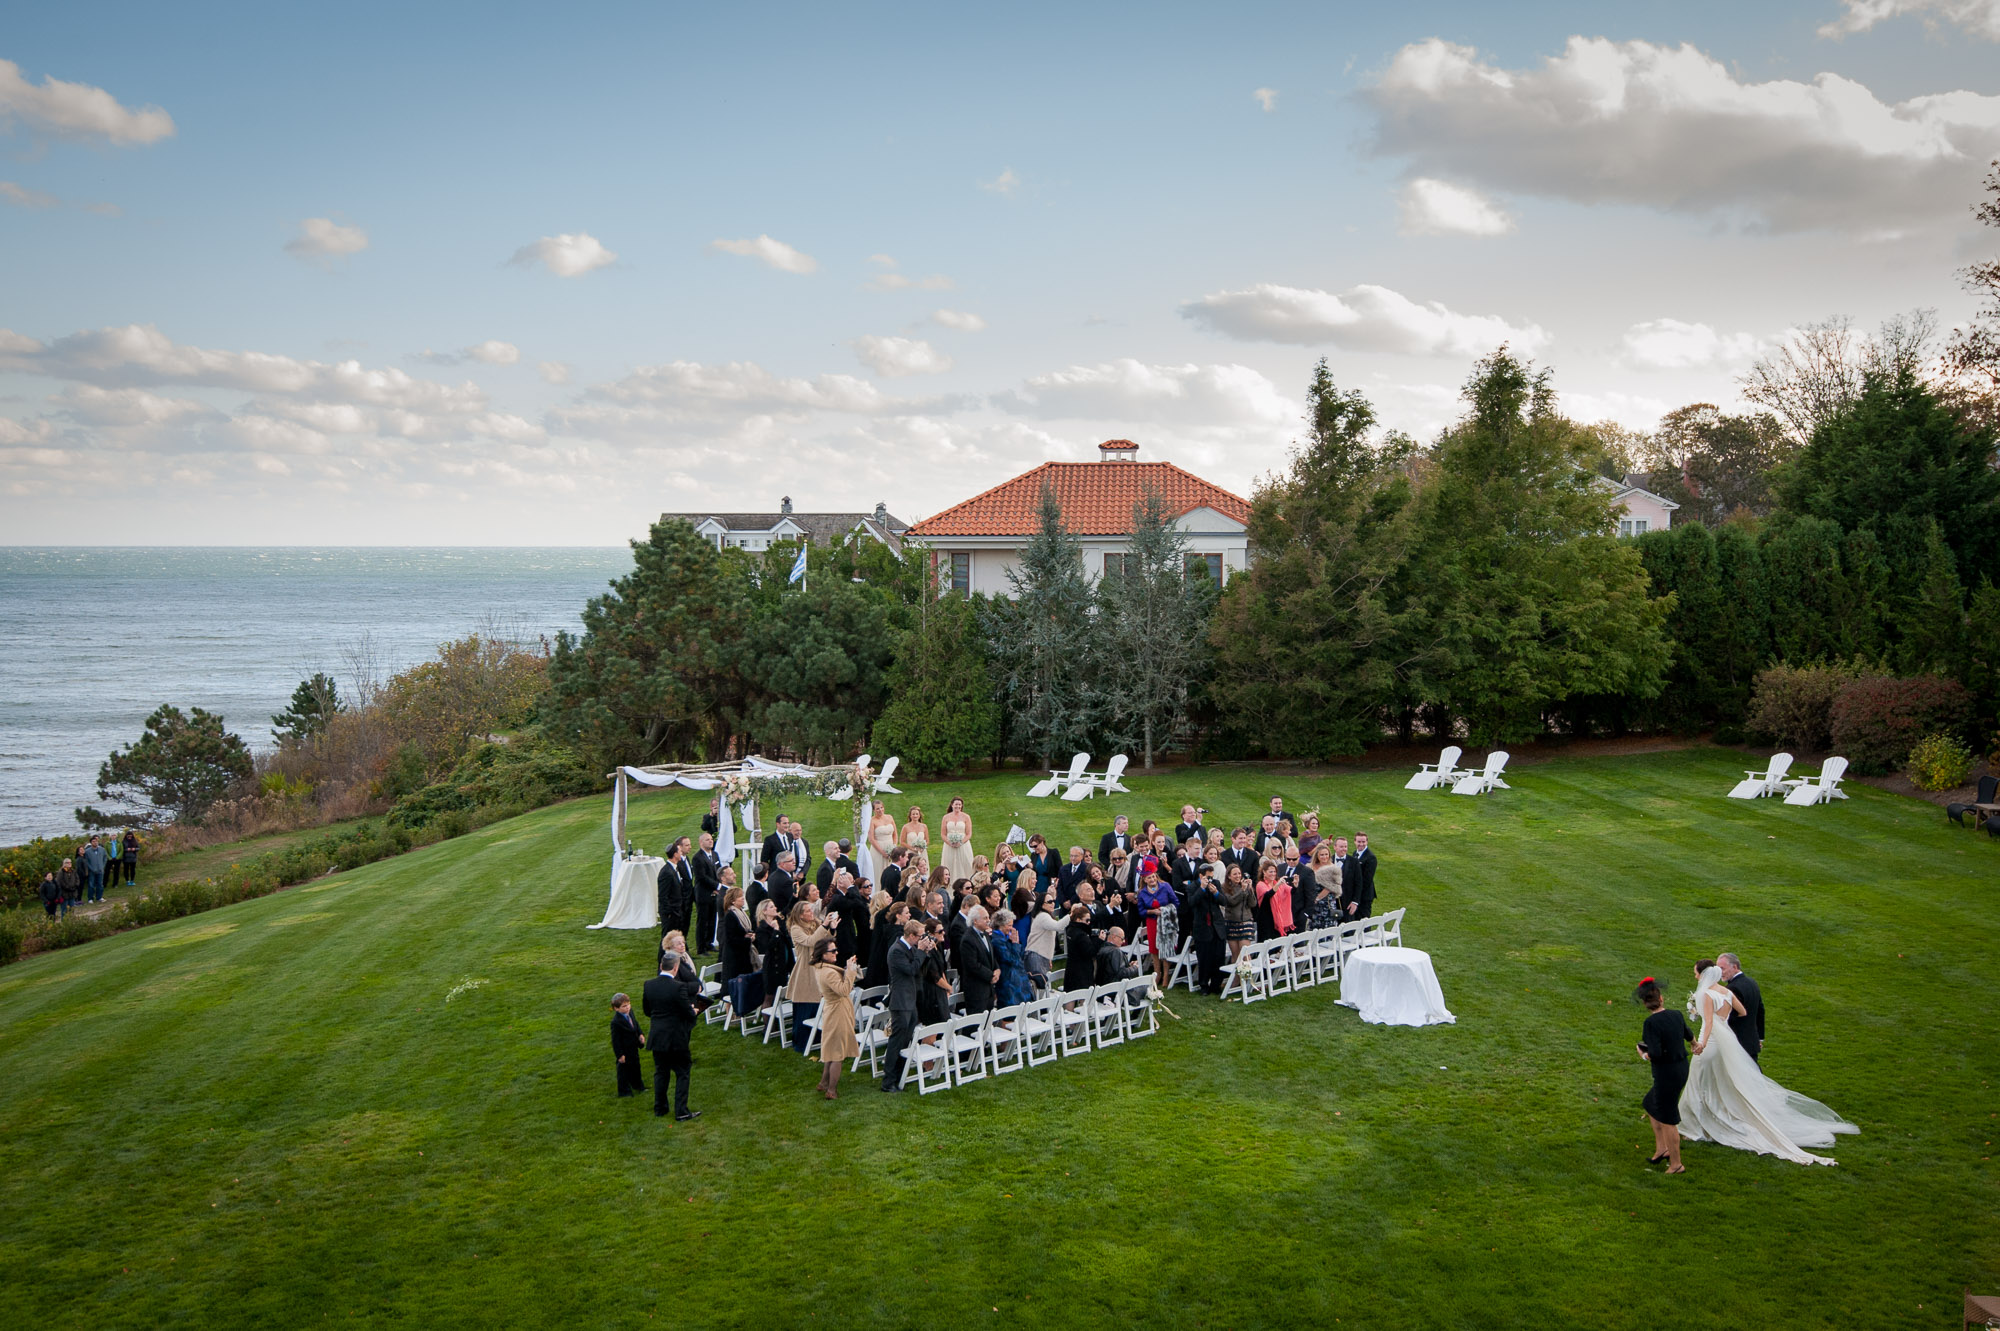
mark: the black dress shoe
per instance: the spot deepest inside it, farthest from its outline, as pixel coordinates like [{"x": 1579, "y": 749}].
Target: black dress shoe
[
  {"x": 659, "y": 1113},
  {"x": 691, "y": 1114},
  {"x": 890, "y": 1090}
]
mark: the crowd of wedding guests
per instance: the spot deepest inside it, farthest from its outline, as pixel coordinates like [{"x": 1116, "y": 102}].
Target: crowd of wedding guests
[
  {"x": 814, "y": 930},
  {"x": 83, "y": 876}
]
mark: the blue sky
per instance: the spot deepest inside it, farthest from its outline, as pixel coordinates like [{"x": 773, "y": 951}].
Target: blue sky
[{"x": 902, "y": 254}]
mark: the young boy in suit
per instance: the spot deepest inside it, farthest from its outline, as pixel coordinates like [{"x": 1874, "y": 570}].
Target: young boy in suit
[{"x": 626, "y": 1042}]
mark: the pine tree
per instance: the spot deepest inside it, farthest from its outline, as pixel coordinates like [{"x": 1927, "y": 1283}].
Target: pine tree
[
  {"x": 1155, "y": 615},
  {"x": 941, "y": 714},
  {"x": 1046, "y": 644},
  {"x": 1933, "y": 618},
  {"x": 314, "y": 702}
]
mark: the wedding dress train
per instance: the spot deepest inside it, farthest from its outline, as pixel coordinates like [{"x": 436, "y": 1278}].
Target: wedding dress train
[{"x": 1729, "y": 1100}]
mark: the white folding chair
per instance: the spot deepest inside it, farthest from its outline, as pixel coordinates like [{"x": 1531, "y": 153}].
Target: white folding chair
[
  {"x": 1298, "y": 955},
  {"x": 1369, "y": 933},
  {"x": 967, "y": 1041},
  {"x": 1140, "y": 1017},
  {"x": 1441, "y": 773},
  {"x": 1107, "y": 1021},
  {"x": 873, "y": 1038},
  {"x": 711, "y": 989},
  {"x": 775, "y": 1024},
  {"x": 1074, "y": 1020},
  {"x": 874, "y": 997},
  {"x": 1392, "y": 927},
  {"x": 1244, "y": 975},
  {"x": 1277, "y": 966},
  {"x": 927, "y": 1061},
  {"x": 1006, "y": 1046},
  {"x": 1325, "y": 954},
  {"x": 1183, "y": 968},
  {"x": 1039, "y": 1024}
]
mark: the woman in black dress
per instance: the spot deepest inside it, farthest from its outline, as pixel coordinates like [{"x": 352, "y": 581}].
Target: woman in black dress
[
  {"x": 933, "y": 986},
  {"x": 1663, "y": 1042},
  {"x": 771, "y": 947}
]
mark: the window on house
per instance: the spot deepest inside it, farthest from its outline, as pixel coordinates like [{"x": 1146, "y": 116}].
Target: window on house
[
  {"x": 1205, "y": 566},
  {"x": 1632, "y": 526},
  {"x": 1114, "y": 566},
  {"x": 958, "y": 573}
]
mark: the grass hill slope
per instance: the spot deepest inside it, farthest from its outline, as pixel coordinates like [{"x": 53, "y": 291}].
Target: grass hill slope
[{"x": 386, "y": 1097}]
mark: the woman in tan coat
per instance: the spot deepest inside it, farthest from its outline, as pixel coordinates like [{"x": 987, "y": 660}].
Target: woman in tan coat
[
  {"x": 836, "y": 1014},
  {"x": 803, "y": 988}
]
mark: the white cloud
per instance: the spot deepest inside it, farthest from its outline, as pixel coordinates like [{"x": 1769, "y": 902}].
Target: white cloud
[
  {"x": 494, "y": 352},
  {"x": 22, "y": 197},
  {"x": 77, "y": 110},
  {"x": 1362, "y": 318},
  {"x": 322, "y": 238},
  {"x": 1266, "y": 98},
  {"x": 883, "y": 260},
  {"x": 899, "y": 282},
  {"x": 1440, "y": 208},
  {"x": 1004, "y": 183},
  {"x": 1633, "y": 411},
  {"x": 553, "y": 371},
  {"x": 1981, "y": 18},
  {"x": 1670, "y": 344},
  {"x": 567, "y": 255},
  {"x": 691, "y": 387},
  {"x": 1672, "y": 128},
  {"x": 771, "y": 253},
  {"x": 87, "y": 404},
  {"x": 960, "y": 320},
  {"x": 895, "y": 357},
  {"x": 1128, "y": 389}
]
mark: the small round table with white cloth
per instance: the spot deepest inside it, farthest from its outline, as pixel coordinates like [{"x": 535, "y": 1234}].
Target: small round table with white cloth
[
  {"x": 1393, "y": 986},
  {"x": 635, "y": 895}
]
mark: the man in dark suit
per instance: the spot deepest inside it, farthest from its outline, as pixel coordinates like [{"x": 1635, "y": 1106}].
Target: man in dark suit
[
  {"x": 892, "y": 874},
  {"x": 1118, "y": 838},
  {"x": 977, "y": 971},
  {"x": 1076, "y": 871},
  {"x": 781, "y": 888},
  {"x": 961, "y": 922},
  {"x": 1211, "y": 935},
  {"x": 760, "y": 888},
  {"x": 1357, "y": 879},
  {"x": 906, "y": 964},
  {"x": 1112, "y": 963},
  {"x": 711, "y": 822},
  {"x": 776, "y": 841},
  {"x": 802, "y": 859},
  {"x": 674, "y": 1013},
  {"x": 667, "y": 889},
  {"x": 1242, "y": 855},
  {"x": 829, "y": 855},
  {"x": 847, "y": 915},
  {"x": 844, "y": 858},
  {"x": 1189, "y": 826},
  {"x": 707, "y": 878},
  {"x": 1749, "y": 1027},
  {"x": 683, "y": 862}
]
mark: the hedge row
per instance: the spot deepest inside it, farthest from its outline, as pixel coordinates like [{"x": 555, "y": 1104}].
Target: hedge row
[{"x": 26, "y": 931}]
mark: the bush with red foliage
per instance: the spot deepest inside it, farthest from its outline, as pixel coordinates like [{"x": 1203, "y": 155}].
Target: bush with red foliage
[{"x": 1878, "y": 720}]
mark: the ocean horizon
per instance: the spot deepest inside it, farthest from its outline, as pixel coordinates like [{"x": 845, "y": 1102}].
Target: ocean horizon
[{"x": 98, "y": 636}]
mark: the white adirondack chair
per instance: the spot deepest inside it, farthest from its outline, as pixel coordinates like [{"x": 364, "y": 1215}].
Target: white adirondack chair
[
  {"x": 1822, "y": 788},
  {"x": 1441, "y": 773},
  {"x": 1059, "y": 780},
  {"x": 1756, "y": 785},
  {"x": 1089, "y": 783},
  {"x": 881, "y": 782},
  {"x": 1478, "y": 783}
]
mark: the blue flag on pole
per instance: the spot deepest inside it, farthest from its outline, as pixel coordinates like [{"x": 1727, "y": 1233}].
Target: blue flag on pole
[{"x": 798, "y": 568}]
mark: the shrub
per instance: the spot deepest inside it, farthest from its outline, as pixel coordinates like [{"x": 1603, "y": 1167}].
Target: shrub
[
  {"x": 523, "y": 774},
  {"x": 1938, "y": 762},
  {"x": 22, "y": 867},
  {"x": 13, "y": 929},
  {"x": 1877, "y": 721},
  {"x": 1792, "y": 706}
]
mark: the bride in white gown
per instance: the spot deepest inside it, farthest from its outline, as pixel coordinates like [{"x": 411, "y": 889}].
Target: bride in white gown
[{"x": 1729, "y": 1100}]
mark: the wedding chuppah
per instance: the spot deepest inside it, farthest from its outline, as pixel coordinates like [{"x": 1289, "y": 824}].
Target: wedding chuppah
[{"x": 632, "y": 903}]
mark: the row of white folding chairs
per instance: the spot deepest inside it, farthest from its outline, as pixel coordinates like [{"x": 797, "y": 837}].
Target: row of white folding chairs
[
  {"x": 1295, "y": 961},
  {"x": 1062, "y": 1025}
]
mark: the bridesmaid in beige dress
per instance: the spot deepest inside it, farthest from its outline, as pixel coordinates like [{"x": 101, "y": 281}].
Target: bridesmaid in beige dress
[
  {"x": 881, "y": 837},
  {"x": 957, "y": 828},
  {"x": 917, "y": 838}
]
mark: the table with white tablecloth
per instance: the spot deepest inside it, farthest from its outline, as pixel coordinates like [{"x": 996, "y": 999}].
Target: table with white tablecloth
[
  {"x": 1393, "y": 986},
  {"x": 635, "y": 894}
]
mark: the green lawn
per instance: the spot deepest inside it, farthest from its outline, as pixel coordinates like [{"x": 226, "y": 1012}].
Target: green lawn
[{"x": 271, "y": 1115}]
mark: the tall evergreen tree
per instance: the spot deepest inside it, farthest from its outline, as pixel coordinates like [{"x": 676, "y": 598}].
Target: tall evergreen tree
[
  {"x": 654, "y": 676},
  {"x": 1154, "y": 616},
  {"x": 1932, "y": 618},
  {"x": 314, "y": 702},
  {"x": 941, "y": 714},
  {"x": 1046, "y": 645},
  {"x": 183, "y": 763},
  {"x": 1535, "y": 599},
  {"x": 1318, "y": 635},
  {"x": 815, "y": 668}
]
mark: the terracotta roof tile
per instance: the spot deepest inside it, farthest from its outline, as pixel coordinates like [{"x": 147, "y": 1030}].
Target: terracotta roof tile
[{"x": 1096, "y": 499}]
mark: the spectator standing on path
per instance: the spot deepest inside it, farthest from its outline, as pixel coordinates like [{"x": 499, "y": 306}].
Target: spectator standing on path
[
  {"x": 51, "y": 894},
  {"x": 71, "y": 883},
  {"x": 131, "y": 856},
  {"x": 94, "y": 860}
]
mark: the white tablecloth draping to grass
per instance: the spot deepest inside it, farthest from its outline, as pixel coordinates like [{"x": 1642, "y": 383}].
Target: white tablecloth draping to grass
[
  {"x": 1393, "y": 986},
  {"x": 635, "y": 895}
]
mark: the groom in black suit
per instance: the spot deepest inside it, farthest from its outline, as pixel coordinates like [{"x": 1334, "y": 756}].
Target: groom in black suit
[{"x": 1749, "y": 1027}]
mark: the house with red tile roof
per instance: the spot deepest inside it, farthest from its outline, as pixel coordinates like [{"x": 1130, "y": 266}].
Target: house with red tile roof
[{"x": 976, "y": 542}]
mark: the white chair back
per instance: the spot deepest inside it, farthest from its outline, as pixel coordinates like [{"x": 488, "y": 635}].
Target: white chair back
[
  {"x": 1039, "y": 1030},
  {"x": 1140, "y": 1018},
  {"x": 967, "y": 1042},
  {"x": 1006, "y": 1044},
  {"x": 1114, "y": 770},
  {"x": 1781, "y": 763},
  {"x": 881, "y": 781},
  {"x": 1392, "y": 927},
  {"x": 1074, "y": 1020},
  {"x": 1496, "y": 763},
  {"x": 927, "y": 1061},
  {"x": 1076, "y": 766}
]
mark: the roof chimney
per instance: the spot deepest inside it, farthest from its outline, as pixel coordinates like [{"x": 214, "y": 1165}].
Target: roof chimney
[
  {"x": 881, "y": 512},
  {"x": 785, "y": 504},
  {"x": 1117, "y": 450}
]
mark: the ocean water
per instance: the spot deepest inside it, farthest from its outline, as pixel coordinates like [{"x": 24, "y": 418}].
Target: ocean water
[{"x": 93, "y": 639}]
